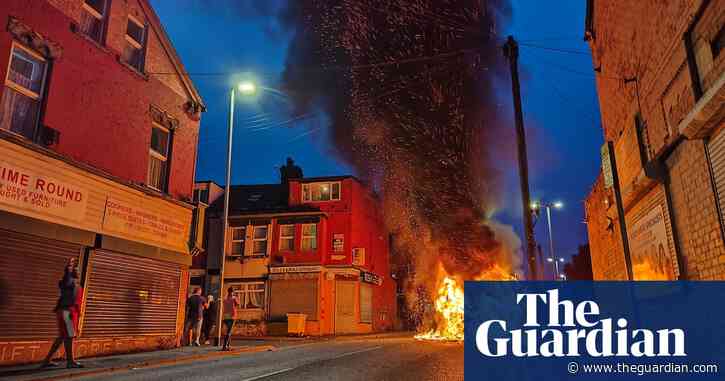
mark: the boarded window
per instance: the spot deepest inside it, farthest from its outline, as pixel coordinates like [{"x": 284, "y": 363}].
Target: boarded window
[
  {"x": 366, "y": 303},
  {"x": 293, "y": 296}
]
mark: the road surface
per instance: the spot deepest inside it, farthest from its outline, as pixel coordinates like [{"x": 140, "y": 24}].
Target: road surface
[{"x": 392, "y": 358}]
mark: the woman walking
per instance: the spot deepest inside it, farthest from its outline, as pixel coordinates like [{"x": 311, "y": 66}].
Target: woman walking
[{"x": 230, "y": 315}]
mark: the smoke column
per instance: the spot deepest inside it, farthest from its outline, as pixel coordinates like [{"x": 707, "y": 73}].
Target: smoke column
[{"x": 408, "y": 86}]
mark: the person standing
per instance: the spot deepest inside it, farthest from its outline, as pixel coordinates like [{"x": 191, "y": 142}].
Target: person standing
[
  {"x": 229, "y": 315},
  {"x": 210, "y": 318},
  {"x": 195, "y": 306},
  {"x": 67, "y": 311}
]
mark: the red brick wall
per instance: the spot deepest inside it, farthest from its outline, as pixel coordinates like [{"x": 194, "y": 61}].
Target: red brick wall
[
  {"x": 605, "y": 237},
  {"x": 100, "y": 106}
]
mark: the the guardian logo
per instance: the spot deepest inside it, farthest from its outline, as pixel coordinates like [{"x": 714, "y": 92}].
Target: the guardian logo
[{"x": 571, "y": 329}]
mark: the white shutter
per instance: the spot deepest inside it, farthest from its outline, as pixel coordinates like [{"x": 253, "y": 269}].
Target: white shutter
[
  {"x": 366, "y": 303},
  {"x": 716, "y": 152}
]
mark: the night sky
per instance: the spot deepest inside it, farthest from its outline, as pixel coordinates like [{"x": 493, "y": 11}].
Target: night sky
[{"x": 220, "y": 37}]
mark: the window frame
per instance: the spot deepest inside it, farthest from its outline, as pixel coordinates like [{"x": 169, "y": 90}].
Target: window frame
[
  {"x": 307, "y": 191},
  {"x": 103, "y": 17},
  {"x": 38, "y": 97},
  {"x": 252, "y": 253},
  {"x": 243, "y": 292},
  {"x": 159, "y": 156},
  {"x": 232, "y": 241},
  {"x": 283, "y": 237},
  {"x": 140, "y": 46},
  {"x": 304, "y": 237}
]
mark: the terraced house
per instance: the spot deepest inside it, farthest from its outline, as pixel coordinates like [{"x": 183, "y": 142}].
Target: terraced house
[
  {"x": 97, "y": 159},
  {"x": 657, "y": 211}
]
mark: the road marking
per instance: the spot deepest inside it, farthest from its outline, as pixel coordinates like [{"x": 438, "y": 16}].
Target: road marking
[
  {"x": 276, "y": 372},
  {"x": 355, "y": 352}
]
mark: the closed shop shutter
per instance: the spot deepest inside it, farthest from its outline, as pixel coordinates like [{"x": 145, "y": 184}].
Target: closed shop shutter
[
  {"x": 30, "y": 268},
  {"x": 130, "y": 295},
  {"x": 366, "y": 303},
  {"x": 716, "y": 153},
  {"x": 293, "y": 296}
]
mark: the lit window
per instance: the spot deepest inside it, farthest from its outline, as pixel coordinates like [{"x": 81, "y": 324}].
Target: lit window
[
  {"x": 238, "y": 235},
  {"x": 21, "y": 99},
  {"x": 250, "y": 295},
  {"x": 309, "y": 237},
  {"x": 286, "y": 237},
  {"x": 321, "y": 191},
  {"x": 260, "y": 240},
  {"x": 93, "y": 19},
  {"x": 159, "y": 157},
  {"x": 134, "y": 50}
]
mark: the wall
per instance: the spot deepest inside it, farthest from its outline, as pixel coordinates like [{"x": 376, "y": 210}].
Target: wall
[{"x": 108, "y": 105}]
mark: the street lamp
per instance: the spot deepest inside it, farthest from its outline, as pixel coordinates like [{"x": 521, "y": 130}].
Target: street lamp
[{"x": 536, "y": 207}]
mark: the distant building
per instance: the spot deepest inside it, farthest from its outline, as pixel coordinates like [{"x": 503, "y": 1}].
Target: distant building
[
  {"x": 97, "y": 163},
  {"x": 315, "y": 246},
  {"x": 657, "y": 210}
]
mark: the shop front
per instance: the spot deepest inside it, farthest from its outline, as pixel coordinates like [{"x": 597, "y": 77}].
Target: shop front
[{"x": 132, "y": 247}]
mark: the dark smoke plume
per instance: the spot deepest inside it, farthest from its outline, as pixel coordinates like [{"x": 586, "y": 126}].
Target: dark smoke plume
[{"x": 408, "y": 86}]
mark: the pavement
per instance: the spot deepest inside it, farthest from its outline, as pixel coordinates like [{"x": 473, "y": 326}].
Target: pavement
[{"x": 361, "y": 357}]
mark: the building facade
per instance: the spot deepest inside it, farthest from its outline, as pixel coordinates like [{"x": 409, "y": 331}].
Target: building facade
[
  {"x": 315, "y": 246},
  {"x": 97, "y": 164},
  {"x": 657, "y": 210}
]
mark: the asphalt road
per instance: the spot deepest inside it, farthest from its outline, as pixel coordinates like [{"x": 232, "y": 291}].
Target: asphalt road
[{"x": 396, "y": 358}]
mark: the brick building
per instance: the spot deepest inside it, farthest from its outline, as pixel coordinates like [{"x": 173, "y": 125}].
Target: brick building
[
  {"x": 97, "y": 164},
  {"x": 314, "y": 245},
  {"x": 657, "y": 209}
]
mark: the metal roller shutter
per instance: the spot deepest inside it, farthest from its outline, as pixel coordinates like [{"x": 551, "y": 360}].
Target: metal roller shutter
[
  {"x": 30, "y": 268},
  {"x": 366, "y": 303},
  {"x": 128, "y": 295},
  {"x": 293, "y": 296},
  {"x": 716, "y": 155}
]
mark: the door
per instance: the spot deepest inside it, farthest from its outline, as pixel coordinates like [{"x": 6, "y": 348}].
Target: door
[{"x": 345, "y": 321}]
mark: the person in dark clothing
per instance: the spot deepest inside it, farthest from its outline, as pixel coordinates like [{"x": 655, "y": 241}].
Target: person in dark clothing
[
  {"x": 67, "y": 311},
  {"x": 195, "y": 306},
  {"x": 210, "y": 319}
]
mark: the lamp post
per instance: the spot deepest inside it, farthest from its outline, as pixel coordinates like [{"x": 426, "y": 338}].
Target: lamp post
[
  {"x": 247, "y": 88},
  {"x": 536, "y": 207}
]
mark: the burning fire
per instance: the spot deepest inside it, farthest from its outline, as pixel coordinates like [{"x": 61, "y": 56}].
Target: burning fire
[{"x": 449, "y": 308}]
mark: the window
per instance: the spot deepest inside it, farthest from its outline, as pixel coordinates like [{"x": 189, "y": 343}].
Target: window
[
  {"x": 250, "y": 295},
  {"x": 309, "y": 237},
  {"x": 135, "y": 48},
  {"x": 321, "y": 191},
  {"x": 260, "y": 240},
  {"x": 201, "y": 195},
  {"x": 93, "y": 19},
  {"x": 286, "y": 237},
  {"x": 159, "y": 157},
  {"x": 238, "y": 235},
  {"x": 21, "y": 99},
  {"x": 366, "y": 303}
]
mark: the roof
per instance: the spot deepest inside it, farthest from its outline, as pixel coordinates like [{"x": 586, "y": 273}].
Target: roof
[
  {"x": 171, "y": 52},
  {"x": 259, "y": 199},
  {"x": 326, "y": 178}
]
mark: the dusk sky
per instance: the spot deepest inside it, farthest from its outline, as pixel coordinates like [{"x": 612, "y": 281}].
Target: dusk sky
[{"x": 558, "y": 89}]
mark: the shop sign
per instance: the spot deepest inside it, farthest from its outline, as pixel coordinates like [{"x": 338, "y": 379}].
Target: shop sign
[
  {"x": 142, "y": 224},
  {"x": 338, "y": 243},
  {"x": 358, "y": 256},
  {"x": 32, "y": 191},
  {"x": 295, "y": 269},
  {"x": 369, "y": 277},
  {"x": 651, "y": 259}
]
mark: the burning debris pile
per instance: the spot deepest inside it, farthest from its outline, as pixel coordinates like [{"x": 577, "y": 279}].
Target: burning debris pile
[{"x": 408, "y": 88}]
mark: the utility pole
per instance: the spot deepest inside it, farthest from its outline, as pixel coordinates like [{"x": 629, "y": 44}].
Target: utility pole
[{"x": 511, "y": 51}]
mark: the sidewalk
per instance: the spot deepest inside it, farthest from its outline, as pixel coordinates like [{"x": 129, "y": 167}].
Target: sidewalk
[{"x": 109, "y": 364}]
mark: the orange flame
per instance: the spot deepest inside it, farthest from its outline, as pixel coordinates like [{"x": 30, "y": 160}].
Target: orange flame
[{"x": 449, "y": 307}]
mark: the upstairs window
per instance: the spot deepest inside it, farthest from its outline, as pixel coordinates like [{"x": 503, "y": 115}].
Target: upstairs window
[
  {"x": 327, "y": 191},
  {"x": 259, "y": 247},
  {"x": 159, "y": 157},
  {"x": 24, "y": 83},
  {"x": 309, "y": 237},
  {"x": 135, "y": 48},
  {"x": 238, "y": 235},
  {"x": 286, "y": 237},
  {"x": 93, "y": 19}
]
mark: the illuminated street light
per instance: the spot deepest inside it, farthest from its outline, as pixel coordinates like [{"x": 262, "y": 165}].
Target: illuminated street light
[
  {"x": 247, "y": 88},
  {"x": 536, "y": 206},
  {"x": 558, "y": 205}
]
